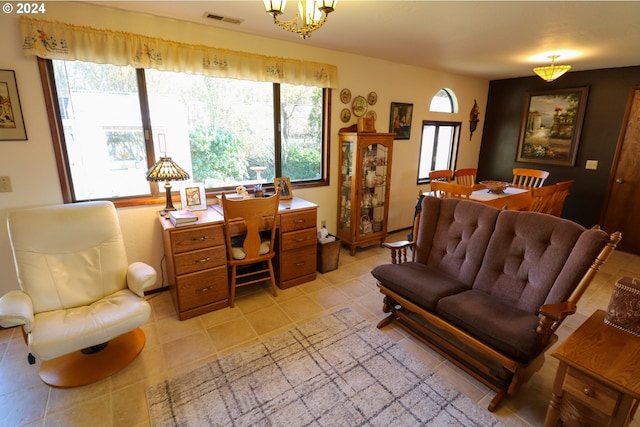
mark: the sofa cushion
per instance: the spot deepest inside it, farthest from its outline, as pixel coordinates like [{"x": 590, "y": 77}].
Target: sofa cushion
[
  {"x": 455, "y": 241},
  {"x": 494, "y": 321},
  {"x": 525, "y": 255},
  {"x": 417, "y": 282}
]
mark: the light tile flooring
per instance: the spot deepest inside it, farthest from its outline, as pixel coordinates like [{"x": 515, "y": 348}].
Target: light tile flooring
[{"x": 174, "y": 347}]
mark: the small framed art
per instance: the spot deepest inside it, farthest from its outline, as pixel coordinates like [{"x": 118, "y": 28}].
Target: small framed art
[
  {"x": 400, "y": 120},
  {"x": 283, "y": 186},
  {"x": 193, "y": 196},
  {"x": 11, "y": 121}
]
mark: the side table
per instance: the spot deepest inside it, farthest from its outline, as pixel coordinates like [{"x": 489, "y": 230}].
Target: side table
[{"x": 598, "y": 379}]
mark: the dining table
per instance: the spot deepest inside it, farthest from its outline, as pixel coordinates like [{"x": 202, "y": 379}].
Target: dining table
[{"x": 512, "y": 198}]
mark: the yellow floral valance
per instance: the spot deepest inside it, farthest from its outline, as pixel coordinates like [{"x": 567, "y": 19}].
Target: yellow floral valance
[{"x": 57, "y": 40}]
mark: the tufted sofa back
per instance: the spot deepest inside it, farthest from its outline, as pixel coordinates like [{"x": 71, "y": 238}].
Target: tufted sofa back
[{"x": 68, "y": 255}]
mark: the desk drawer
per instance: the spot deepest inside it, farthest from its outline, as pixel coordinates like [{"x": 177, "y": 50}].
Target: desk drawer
[
  {"x": 591, "y": 392},
  {"x": 189, "y": 262},
  {"x": 299, "y": 239},
  {"x": 298, "y": 263},
  {"x": 196, "y": 238},
  {"x": 297, "y": 221},
  {"x": 202, "y": 288}
]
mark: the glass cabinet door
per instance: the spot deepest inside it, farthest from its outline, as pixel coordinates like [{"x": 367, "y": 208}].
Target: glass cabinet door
[
  {"x": 374, "y": 187},
  {"x": 346, "y": 181}
]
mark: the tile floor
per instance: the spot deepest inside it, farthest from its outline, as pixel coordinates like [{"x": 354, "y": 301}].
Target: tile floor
[{"x": 174, "y": 347}]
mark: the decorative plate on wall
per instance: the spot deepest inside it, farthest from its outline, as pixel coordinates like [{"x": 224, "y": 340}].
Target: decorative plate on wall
[
  {"x": 359, "y": 106},
  {"x": 345, "y": 96},
  {"x": 372, "y": 98},
  {"x": 372, "y": 114},
  {"x": 345, "y": 115}
]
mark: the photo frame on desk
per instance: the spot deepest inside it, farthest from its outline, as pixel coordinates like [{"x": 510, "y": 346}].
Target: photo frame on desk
[
  {"x": 193, "y": 197},
  {"x": 283, "y": 185}
]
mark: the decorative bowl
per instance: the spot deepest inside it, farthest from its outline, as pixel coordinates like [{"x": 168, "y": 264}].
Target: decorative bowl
[{"x": 495, "y": 187}]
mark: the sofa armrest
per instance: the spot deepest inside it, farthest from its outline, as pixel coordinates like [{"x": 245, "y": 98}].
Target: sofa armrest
[
  {"x": 16, "y": 309},
  {"x": 552, "y": 315},
  {"x": 398, "y": 250},
  {"x": 139, "y": 277}
]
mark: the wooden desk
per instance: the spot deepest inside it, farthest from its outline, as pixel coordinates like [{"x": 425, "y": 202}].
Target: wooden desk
[
  {"x": 196, "y": 256},
  {"x": 513, "y": 198},
  {"x": 598, "y": 379}
]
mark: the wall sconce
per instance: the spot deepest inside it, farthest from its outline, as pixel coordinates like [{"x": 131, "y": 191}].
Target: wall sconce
[{"x": 473, "y": 119}]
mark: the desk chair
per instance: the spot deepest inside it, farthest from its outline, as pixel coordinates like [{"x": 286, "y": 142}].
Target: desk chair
[
  {"x": 560, "y": 196},
  {"x": 446, "y": 190},
  {"x": 529, "y": 178},
  {"x": 466, "y": 176},
  {"x": 250, "y": 231},
  {"x": 445, "y": 175},
  {"x": 80, "y": 303},
  {"x": 542, "y": 198}
]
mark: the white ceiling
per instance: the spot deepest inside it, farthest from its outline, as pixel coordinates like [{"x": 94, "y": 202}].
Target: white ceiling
[{"x": 487, "y": 39}]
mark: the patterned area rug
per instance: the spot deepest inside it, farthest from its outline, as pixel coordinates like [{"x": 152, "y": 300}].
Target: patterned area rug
[{"x": 338, "y": 370}]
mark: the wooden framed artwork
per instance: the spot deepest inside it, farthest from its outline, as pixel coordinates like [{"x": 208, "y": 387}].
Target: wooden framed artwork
[
  {"x": 283, "y": 186},
  {"x": 551, "y": 125},
  {"x": 11, "y": 120},
  {"x": 400, "y": 120},
  {"x": 193, "y": 196}
]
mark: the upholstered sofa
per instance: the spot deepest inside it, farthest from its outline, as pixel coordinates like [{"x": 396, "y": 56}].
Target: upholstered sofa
[{"x": 488, "y": 288}]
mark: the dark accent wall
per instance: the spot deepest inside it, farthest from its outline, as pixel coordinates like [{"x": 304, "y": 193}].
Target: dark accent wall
[{"x": 606, "y": 104}]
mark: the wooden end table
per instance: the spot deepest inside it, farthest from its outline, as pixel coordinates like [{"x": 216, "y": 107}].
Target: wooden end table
[{"x": 598, "y": 379}]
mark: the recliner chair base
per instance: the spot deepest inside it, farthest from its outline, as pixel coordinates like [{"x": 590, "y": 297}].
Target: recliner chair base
[{"x": 78, "y": 369}]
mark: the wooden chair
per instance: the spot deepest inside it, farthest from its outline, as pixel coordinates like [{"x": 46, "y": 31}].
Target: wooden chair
[
  {"x": 542, "y": 198},
  {"x": 529, "y": 178},
  {"x": 559, "y": 197},
  {"x": 466, "y": 176},
  {"x": 447, "y": 190},
  {"x": 445, "y": 175},
  {"x": 250, "y": 230}
]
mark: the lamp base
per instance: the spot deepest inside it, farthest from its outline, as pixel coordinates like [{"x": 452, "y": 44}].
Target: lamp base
[{"x": 169, "y": 205}]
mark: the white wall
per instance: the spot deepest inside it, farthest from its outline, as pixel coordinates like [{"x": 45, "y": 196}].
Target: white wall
[{"x": 32, "y": 167}]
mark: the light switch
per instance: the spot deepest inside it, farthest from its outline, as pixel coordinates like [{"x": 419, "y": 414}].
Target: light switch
[{"x": 591, "y": 164}]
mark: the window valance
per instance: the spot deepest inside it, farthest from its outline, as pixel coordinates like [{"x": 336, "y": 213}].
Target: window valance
[{"x": 58, "y": 40}]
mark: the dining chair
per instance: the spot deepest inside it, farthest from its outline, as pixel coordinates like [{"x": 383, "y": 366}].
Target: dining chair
[
  {"x": 529, "y": 178},
  {"x": 448, "y": 190},
  {"x": 250, "y": 231},
  {"x": 542, "y": 198},
  {"x": 466, "y": 176},
  {"x": 445, "y": 175},
  {"x": 560, "y": 196}
]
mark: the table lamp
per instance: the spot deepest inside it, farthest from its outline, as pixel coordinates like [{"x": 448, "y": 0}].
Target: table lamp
[{"x": 166, "y": 170}]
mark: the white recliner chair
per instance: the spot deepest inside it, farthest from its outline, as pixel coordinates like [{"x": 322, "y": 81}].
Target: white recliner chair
[{"x": 81, "y": 303}]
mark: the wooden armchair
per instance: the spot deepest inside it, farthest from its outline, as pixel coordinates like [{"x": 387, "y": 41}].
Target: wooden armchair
[
  {"x": 529, "y": 178},
  {"x": 445, "y": 175},
  {"x": 542, "y": 198},
  {"x": 559, "y": 197},
  {"x": 446, "y": 190},
  {"x": 466, "y": 176}
]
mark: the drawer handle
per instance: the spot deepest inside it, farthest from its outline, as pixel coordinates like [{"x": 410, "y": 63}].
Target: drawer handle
[
  {"x": 299, "y": 221},
  {"x": 300, "y": 264},
  {"x": 208, "y": 288},
  {"x": 302, "y": 240},
  {"x": 203, "y": 238},
  {"x": 203, "y": 260},
  {"x": 588, "y": 391}
]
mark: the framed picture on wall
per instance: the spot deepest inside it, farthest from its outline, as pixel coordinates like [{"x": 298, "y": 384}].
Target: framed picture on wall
[
  {"x": 400, "y": 120},
  {"x": 11, "y": 121},
  {"x": 550, "y": 126},
  {"x": 193, "y": 196}
]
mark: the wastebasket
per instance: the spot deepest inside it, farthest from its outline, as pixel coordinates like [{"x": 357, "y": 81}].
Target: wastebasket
[{"x": 328, "y": 256}]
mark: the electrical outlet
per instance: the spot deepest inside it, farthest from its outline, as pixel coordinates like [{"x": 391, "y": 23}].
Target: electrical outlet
[
  {"x": 323, "y": 223},
  {"x": 591, "y": 164},
  {"x": 5, "y": 184}
]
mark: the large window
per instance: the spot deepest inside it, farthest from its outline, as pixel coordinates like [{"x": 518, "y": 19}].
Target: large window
[
  {"x": 117, "y": 121},
  {"x": 438, "y": 147}
]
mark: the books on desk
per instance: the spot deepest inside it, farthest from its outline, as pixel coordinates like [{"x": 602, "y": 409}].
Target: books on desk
[{"x": 181, "y": 218}]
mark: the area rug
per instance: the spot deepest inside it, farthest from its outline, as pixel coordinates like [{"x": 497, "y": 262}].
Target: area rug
[{"x": 338, "y": 370}]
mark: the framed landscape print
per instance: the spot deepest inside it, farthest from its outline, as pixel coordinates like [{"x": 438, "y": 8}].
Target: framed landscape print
[
  {"x": 400, "y": 120},
  {"x": 551, "y": 125},
  {"x": 11, "y": 121}
]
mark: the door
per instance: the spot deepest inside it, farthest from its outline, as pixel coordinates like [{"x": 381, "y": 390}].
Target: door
[{"x": 622, "y": 206}]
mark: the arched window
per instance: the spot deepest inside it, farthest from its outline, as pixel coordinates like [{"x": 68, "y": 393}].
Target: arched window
[{"x": 444, "y": 102}]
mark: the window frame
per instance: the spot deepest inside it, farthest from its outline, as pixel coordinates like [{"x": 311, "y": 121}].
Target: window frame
[
  {"x": 454, "y": 146},
  {"x": 157, "y": 195}
]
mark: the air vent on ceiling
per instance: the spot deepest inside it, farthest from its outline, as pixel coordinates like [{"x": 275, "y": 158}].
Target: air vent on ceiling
[{"x": 227, "y": 19}]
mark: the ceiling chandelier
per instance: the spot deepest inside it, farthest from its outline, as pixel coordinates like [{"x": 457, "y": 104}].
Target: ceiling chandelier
[
  {"x": 312, "y": 14},
  {"x": 553, "y": 71}
]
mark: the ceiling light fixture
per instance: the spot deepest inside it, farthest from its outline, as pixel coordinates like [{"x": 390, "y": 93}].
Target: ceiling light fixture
[
  {"x": 553, "y": 71},
  {"x": 312, "y": 14}
]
